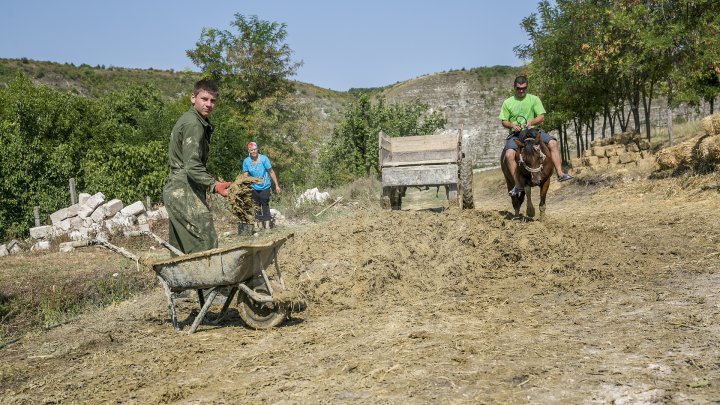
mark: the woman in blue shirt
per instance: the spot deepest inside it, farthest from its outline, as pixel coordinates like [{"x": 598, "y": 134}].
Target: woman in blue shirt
[{"x": 258, "y": 165}]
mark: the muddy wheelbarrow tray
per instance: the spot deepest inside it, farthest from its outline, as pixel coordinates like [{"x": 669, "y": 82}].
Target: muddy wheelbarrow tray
[{"x": 233, "y": 266}]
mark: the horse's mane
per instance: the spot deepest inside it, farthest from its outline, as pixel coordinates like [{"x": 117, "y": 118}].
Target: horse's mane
[{"x": 529, "y": 145}]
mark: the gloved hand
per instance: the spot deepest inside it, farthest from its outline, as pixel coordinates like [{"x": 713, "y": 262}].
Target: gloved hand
[{"x": 221, "y": 188}]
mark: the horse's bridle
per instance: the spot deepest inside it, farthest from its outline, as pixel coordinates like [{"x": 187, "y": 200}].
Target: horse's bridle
[{"x": 533, "y": 170}]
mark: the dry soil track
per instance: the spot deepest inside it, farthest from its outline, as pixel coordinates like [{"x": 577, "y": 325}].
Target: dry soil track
[{"x": 613, "y": 298}]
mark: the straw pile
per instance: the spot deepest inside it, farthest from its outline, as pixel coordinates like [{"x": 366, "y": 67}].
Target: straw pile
[
  {"x": 711, "y": 124},
  {"x": 696, "y": 151},
  {"x": 240, "y": 197},
  {"x": 674, "y": 156},
  {"x": 709, "y": 147}
]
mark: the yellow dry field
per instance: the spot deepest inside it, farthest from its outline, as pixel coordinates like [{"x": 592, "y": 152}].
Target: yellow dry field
[{"x": 611, "y": 298}]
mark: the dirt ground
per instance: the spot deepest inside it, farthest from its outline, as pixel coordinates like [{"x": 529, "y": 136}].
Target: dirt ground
[{"x": 611, "y": 298}]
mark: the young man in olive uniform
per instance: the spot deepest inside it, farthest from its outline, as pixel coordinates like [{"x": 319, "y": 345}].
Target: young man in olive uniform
[{"x": 191, "y": 225}]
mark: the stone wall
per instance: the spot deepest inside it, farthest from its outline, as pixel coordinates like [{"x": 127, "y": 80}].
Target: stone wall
[
  {"x": 91, "y": 218},
  {"x": 621, "y": 149}
]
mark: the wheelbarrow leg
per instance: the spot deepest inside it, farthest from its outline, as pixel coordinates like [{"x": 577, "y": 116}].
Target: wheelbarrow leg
[
  {"x": 226, "y": 305},
  {"x": 277, "y": 268},
  {"x": 228, "y": 300},
  {"x": 170, "y": 304},
  {"x": 201, "y": 297},
  {"x": 261, "y": 267},
  {"x": 199, "y": 318}
]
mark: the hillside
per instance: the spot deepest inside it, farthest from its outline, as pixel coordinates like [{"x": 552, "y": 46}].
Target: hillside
[
  {"x": 469, "y": 98},
  {"x": 94, "y": 81}
]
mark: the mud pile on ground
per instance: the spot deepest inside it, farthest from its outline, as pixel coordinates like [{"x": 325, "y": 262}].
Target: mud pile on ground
[
  {"x": 611, "y": 299},
  {"x": 408, "y": 256}
]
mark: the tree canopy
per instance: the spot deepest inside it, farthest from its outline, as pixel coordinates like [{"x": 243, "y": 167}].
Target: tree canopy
[
  {"x": 595, "y": 58},
  {"x": 250, "y": 65}
]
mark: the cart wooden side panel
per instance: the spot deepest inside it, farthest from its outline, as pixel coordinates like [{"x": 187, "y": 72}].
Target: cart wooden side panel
[
  {"x": 418, "y": 150},
  {"x": 431, "y": 175}
]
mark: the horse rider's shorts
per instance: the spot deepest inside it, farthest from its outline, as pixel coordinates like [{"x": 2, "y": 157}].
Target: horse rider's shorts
[{"x": 510, "y": 142}]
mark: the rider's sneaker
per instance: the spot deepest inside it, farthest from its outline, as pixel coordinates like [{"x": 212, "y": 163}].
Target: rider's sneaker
[{"x": 565, "y": 177}]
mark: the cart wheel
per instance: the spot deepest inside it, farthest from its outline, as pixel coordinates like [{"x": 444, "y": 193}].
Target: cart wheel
[
  {"x": 385, "y": 199},
  {"x": 392, "y": 198},
  {"x": 466, "y": 183},
  {"x": 261, "y": 315},
  {"x": 396, "y": 196}
]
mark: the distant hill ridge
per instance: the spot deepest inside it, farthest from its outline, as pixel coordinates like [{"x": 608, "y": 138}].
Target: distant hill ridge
[{"x": 470, "y": 99}]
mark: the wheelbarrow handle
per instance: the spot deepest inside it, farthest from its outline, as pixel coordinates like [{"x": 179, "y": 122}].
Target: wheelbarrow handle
[
  {"x": 107, "y": 245},
  {"x": 159, "y": 240}
]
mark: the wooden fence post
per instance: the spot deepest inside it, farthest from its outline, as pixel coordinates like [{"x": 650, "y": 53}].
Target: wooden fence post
[{"x": 73, "y": 193}]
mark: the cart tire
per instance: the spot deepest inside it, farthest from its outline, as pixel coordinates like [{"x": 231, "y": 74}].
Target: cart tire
[
  {"x": 261, "y": 315},
  {"x": 385, "y": 198},
  {"x": 396, "y": 198},
  {"x": 466, "y": 183},
  {"x": 391, "y": 198}
]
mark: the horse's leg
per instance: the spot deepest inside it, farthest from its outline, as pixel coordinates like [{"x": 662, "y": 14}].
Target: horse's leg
[
  {"x": 510, "y": 183},
  {"x": 516, "y": 205},
  {"x": 529, "y": 207},
  {"x": 515, "y": 199},
  {"x": 543, "y": 193}
]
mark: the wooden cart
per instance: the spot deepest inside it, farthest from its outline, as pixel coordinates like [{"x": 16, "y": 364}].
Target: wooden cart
[{"x": 426, "y": 160}]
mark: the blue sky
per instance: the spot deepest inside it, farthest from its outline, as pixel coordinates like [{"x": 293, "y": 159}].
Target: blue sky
[{"x": 342, "y": 43}]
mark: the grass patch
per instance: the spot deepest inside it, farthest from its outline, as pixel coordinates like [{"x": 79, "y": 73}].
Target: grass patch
[
  {"x": 681, "y": 132},
  {"x": 42, "y": 290}
]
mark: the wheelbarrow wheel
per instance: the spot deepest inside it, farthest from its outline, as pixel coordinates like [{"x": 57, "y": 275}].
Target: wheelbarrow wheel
[
  {"x": 466, "y": 184},
  {"x": 261, "y": 315}
]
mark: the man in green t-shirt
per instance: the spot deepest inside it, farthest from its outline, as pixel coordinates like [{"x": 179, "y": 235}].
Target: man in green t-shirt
[{"x": 520, "y": 111}]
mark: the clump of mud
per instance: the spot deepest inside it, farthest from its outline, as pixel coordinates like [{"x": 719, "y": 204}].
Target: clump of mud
[{"x": 240, "y": 197}]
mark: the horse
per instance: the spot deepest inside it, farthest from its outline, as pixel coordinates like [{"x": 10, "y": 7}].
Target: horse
[{"x": 534, "y": 166}]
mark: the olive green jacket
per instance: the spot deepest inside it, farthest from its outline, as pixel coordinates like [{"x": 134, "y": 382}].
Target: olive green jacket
[
  {"x": 189, "y": 150},
  {"x": 191, "y": 226}
]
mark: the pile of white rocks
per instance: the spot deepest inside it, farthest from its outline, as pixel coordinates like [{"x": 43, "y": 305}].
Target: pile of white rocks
[
  {"x": 312, "y": 195},
  {"x": 91, "y": 218}
]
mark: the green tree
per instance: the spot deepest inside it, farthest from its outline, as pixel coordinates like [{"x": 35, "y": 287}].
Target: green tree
[
  {"x": 125, "y": 171},
  {"x": 253, "y": 64},
  {"x": 41, "y": 142},
  {"x": 557, "y": 34},
  {"x": 619, "y": 53},
  {"x": 134, "y": 115},
  {"x": 116, "y": 145}
]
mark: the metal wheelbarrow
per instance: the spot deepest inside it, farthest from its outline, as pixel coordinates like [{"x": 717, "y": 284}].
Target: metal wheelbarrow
[{"x": 241, "y": 268}]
